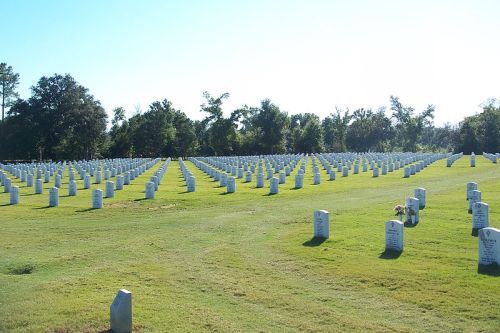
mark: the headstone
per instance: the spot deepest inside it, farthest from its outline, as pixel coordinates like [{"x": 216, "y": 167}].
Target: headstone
[
  {"x": 332, "y": 175},
  {"x": 231, "y": 185},
  {"x": 29, "y": 180},
  {"x": 98, "y": 177},
  {"x": 274, "y": 186},
  {"x": 223, "y": 179},
  {"x": 375, "y": 172},
  {"x": 97, "y": 198},
  {"x": 191, "y": 184},
  {"x": 248, "y": 177},
  {"x": 420, "y": 195},
  {"x": 412, "y": 212},
  {"x": 46, "y": 176},
  {"x": 321, "y": 224},
  {"x": 110, "y": 189},
  {"x": 53, "y": 197},
  {"x": 260, "y": 180},
  {"x": 86, "y": 182},
  {"x": 7, "y": 184},
  {"x": 150, "y": 190},
  {"x": 345, "y": 171},
  {"x": 479, "y": 217},
  {"x": 471, "y": 186},
  {"x": 489, "y": 246},
  {"x": 472, "y": 160},
  {"x": 299, "y": 181},
  {"x": 14, "y": 195},
  {"x": 394, "y": 235},
  {"x": 317, "y": 178},
  {"x": 119, "y": 182},
  {"x": 38, "y": 186},
  {"x": 120, "y": 312},
  {"x": 57, "y": 182},
  {"x": 282, "y": 177},
  {"x": 407, "y": 172},
  {"x": 475, "y": 196},
  {"x": 72, "y": 188}
]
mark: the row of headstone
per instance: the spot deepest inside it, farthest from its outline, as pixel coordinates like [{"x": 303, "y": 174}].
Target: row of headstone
[
  {"x": 452, "y": 158},
  {"x": 491, "y": 157},
  {"x": 155, "y": 180}
]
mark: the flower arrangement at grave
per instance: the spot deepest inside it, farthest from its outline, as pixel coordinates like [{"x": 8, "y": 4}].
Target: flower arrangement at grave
[{"x": 400, "y": 211}]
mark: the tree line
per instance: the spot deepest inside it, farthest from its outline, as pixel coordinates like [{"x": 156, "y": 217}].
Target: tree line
[{"x": 62, "y": 120}]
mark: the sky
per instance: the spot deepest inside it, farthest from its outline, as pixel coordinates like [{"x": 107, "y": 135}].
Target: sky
[{"x": 306, "y": 56}]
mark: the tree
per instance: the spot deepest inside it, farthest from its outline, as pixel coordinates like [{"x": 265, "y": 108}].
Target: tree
[
  {"x": 409, "y": 127},
  {"x": 270, "y": 125},
  {"x": 8, "y": 84},
  {"x": 340, "y": 124},
  {"x": 370, "y": 131},
  {"x": 223, "y": 137},
  {"x": 65, "y": 121}
]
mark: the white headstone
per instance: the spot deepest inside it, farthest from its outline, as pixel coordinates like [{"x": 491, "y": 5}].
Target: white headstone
[
  {"x": 317, "y": 178},
  {"x": 7, "y": 184},
  {"x": 475, "y": 196},
  {"x": 72, "y": 188},
  {"x": 394, "y": 235},
  {"x": 110, "y": 189},
  {"x": 420, "y": 195},
  {"x": 120, "y": 316},
  {"x": 412, "y": 212},
  {"x": 299, "y": 180},
  {"x": 38, "y": 186},
  {"x": 29, "y": 180},
  {"x": 57, "y": 182},
  {"x": 321, "y": 224},
  {"x": 282, "y": 177},
  {"x": 345, "y": 171},
  {"x": 191, "y": 184},
  {"x": 274, "y": 186},
  {"x": 407, "y": 172},
  {"x": 472, "y": 160},
  {"x": 248, "y": 177},
  {"x": 471, "y": 186},
  {"x": 260, "y": 180},
  {"x": 14, "y": 195},
  {"x": 489, "y": 246},
  {"x": 97, "y": 198},
  {"x": 231, "y": 185},
  {"x": 479, "y": 217},
  {"x": 375, "y": 172},
  {"x": 150, "y": 190},
  {"x": 53, "y": 197},
  {"x": 119, "y": 182}
]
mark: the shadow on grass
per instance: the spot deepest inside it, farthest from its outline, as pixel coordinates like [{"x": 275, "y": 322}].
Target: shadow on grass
[
  {"x": 44, "y": 207},
  {"x": 225, "y": 193},
  {"x": 410, "y": 225},
  {"x": 7, "y": 204},
  {"x": 315, "y": 241},
  {"x": 269, "y": 194},
  {"x": 29, "y": 194},
  {"x": 184, "y": 192},
  {"x": 86, "y": 210},
  {"x": 390, "y": 254},
  {"x": 491, "y": 270},
  {"x": 142, "y": 199}
]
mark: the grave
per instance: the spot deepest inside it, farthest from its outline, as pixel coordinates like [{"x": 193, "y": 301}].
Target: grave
[
  {"x": 412, "y": 211},
  {"x": 479, "y": 217},
  {"x": 231, "y": 185},
  {"x": 321, "y": 224},
  {"x": 274, "y": 186},
  {"x": 72, "y": 188},
  {"x": 120, "y": 312},
  {"x": 489, "y": 246},
  {"x": 53, "y": 197},
  {"x": 97, "y": 199},
  {"x": 420, "y": 195},
  {"x": 475, "y": 196},
  {"x": 110, "y": 189},
  {"x": 38, "y": 186},
  {"x": 14, "y": 195},
  {"x": 394, "y": 236},
  {"x": 471, "y": 186},
  {"x": 150, "y": 190},
  {"x": 299, "y": 181}
]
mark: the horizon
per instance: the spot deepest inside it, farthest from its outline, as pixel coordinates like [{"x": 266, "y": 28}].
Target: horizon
[{"x": 305, "y": 58}]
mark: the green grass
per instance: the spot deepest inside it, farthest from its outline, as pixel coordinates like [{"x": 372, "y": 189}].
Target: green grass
[{"x": 208, "y": 262}]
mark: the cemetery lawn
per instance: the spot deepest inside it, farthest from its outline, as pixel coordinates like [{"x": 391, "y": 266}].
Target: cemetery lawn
[{"x": 245, "y": 262}]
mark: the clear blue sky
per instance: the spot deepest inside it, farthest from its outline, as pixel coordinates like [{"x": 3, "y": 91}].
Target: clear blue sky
[{"x": 306, "y": 56}]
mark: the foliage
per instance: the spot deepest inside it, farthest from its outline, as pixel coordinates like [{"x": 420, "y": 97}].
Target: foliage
[{"x": 8, "y": 84}]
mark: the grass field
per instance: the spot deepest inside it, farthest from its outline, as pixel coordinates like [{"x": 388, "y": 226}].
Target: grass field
[{"x": 243, "y": 262}]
